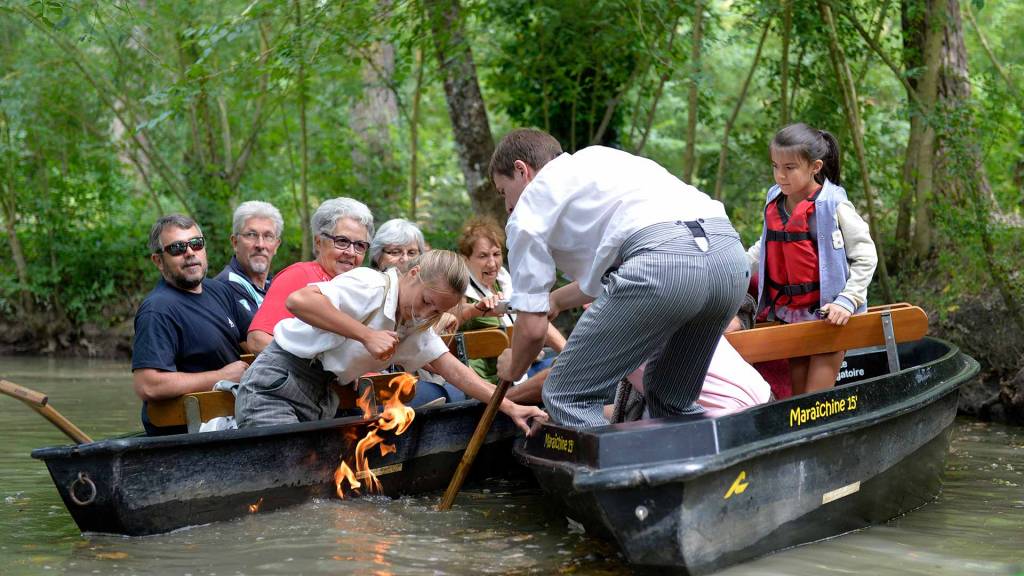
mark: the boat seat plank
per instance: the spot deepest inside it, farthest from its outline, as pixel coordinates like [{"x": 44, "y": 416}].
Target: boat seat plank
[
  {"x": 487, "y": 343},
  {"x": 193, "y": 409},
  {"x": 779, "y": 341}
]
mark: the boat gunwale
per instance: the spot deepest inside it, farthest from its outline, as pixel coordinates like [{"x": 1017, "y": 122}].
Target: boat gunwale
[
  {"x": 587, "y": 479},
  {"x": 133, "y": 443}
]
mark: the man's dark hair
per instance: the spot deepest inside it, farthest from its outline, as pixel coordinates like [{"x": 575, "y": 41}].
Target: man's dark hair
[
  {"x": 177, "y": 220},
  {"x": 535, "y": 147}
]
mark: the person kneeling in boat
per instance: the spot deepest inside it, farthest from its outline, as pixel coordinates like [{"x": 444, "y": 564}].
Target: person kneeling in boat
[{"x": 356, "y": 323}]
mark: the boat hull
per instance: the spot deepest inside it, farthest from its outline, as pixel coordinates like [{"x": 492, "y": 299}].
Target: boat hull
[
  {"x": 147, "y": 485},
  {"x": 752, "y": 483}
]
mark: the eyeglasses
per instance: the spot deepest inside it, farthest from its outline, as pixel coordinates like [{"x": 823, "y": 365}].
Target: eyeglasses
[
  {"x": 343, "y": 243},
  {"x": 399, "y": 252},
  {"x": 181, "y": 246},
  {"x": 251, "y": 236}
]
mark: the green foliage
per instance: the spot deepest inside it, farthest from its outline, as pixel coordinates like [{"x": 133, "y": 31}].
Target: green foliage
[{"x": 114, "y": 112}]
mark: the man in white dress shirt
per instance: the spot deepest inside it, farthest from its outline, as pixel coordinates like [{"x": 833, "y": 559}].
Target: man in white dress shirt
[{"x": 658, "y": 258}]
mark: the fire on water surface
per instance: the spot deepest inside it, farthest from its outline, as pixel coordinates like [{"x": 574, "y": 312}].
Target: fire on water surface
[{"x": 395, "y": 418}]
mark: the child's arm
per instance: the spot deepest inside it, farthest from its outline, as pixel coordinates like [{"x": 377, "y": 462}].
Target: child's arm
[
  {"x": 861, "y": 255},
  {"x": 754, "y": 256}
]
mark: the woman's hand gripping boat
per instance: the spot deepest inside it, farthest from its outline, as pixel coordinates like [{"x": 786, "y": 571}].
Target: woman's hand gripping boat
[{"x": 696, "y": 494}]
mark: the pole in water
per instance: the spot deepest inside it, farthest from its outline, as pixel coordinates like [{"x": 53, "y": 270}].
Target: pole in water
[{"x": 474, "y": 445}]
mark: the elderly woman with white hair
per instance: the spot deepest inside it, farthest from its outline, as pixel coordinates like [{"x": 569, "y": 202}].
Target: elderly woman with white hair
[
  {"x": 342, "y": 229},
  {"x": 397, "y": 241}
]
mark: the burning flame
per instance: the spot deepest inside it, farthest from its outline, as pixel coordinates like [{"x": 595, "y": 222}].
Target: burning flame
[
  {"x": 254, "y": 508},
  {"x": 395, "y": 418}
]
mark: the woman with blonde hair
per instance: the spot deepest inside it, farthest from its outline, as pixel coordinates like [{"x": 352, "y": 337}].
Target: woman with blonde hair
[{"x": 356, "y": 323}]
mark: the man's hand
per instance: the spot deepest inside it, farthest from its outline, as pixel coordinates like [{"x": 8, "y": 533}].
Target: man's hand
[
  {"x": 522, "y": 415},
  {"x": 381, "y": 344},
  {"x": 835, "y": 314},
  {"x": 234, "y": 371}
]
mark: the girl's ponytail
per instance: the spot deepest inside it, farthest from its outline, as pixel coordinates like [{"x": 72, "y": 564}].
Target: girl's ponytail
[{"x": 830, "y": 160}]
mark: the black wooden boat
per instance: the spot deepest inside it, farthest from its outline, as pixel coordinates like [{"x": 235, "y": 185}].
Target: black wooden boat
[
  {"x": 695, "y": 494},
  {"x": 141, "y": 485}
]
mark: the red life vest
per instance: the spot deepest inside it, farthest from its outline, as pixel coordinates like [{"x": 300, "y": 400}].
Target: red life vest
[{"x": 791, "y": 257}]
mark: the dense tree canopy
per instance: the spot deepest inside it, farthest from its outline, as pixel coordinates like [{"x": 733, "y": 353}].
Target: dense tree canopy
[{"x": 112, "y": 113}]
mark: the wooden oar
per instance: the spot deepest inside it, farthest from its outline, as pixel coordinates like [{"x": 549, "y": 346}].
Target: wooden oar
[
  {"x": 474, "y": 445},
  {"x": 38, "y": 402}
]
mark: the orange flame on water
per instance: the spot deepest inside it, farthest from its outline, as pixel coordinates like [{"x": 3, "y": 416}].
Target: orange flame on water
[
  {"x": 254, "y": 508},
  {"x": 395, "y": 418}
]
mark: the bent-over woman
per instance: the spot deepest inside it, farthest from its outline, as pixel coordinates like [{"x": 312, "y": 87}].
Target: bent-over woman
[{"x": 356, "y": 323}]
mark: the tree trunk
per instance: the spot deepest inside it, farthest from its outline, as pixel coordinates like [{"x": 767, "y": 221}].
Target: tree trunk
[
  {"x": 466, "y": 107},
  {"x": 307, "y": 248},
  {"x": 414, "y": 133},
  {"x": 693, "y": 92},
  {"x": 787, "y": 29},
  {"x": 724, "y": 151},
  {"x": 960, "y": 170},
  {"x": 845, "y": 79},
  {"x": 371, "y": 119},
  {"x": 931, "y": 48}
]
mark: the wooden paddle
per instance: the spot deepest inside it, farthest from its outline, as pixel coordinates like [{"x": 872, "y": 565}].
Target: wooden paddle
[
  {"x": 474, "y": 445},
  {"x": 38, "y": 402}
]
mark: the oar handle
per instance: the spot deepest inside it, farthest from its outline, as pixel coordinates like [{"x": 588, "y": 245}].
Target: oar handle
[
  {"x": 474, "y": 445},
  {"x": 21, "y": 393},
  {"x": 38, "y": 402}
]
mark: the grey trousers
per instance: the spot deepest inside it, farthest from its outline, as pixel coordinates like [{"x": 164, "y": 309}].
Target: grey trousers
[
  {"x": 666, "y": 304},
  {"x": 281, "y": 388}
]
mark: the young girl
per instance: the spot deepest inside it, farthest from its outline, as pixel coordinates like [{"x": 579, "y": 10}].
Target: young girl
[
  {"x": 815, "y": 257},
  {"x": 360, "y": 322}
]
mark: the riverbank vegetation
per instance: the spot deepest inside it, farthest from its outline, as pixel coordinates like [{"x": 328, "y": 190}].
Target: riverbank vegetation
[{"x": 112, "y": 113}]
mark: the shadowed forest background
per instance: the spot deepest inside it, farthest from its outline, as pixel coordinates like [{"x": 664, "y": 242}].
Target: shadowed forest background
[{"x": 115, "y": 112}]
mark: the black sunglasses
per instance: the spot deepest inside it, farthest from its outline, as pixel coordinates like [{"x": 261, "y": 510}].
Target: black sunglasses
[
  {"x": 181, "y": 246},
  {"x": 343, "y": 242}
]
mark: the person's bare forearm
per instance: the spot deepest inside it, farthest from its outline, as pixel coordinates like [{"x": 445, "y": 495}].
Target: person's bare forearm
[
  {"x": 313, "y": 308},
  {"x": 554, "y": 339},
  {"x": 569, "y": 296},
  {"x": 257, "y": 340},
  {"x": 151, "y": 384},
  {"x": 527, "y": 341},
  {"x": 464, "y": 378}
]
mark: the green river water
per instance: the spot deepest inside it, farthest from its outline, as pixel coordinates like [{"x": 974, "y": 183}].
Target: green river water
[{"x": 975, "y": 527}]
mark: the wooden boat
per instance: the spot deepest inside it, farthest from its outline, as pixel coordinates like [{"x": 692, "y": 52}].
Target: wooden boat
[
  {"x": 696, "y": 494},
  {"x": 138, "y": 485},
  {"x": 142, "y": 485}
]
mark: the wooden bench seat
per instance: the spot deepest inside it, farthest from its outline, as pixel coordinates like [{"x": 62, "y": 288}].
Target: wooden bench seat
[
  {"x": 193, "y": 409},
  {"x": 778, "y": 341}
]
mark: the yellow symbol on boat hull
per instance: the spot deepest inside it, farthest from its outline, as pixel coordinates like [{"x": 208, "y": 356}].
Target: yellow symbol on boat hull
[{"x": 738, "y": 486}]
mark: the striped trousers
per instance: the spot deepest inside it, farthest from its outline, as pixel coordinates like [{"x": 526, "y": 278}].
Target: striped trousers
[{"x": 667, "y": 304}]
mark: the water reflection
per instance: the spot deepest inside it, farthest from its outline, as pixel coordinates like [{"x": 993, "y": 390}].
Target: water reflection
[{"x": 976, "y": 526}]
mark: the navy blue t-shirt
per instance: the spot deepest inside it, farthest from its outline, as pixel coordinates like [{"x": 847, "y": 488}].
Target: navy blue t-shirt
[{"x": 178, "y": 331}]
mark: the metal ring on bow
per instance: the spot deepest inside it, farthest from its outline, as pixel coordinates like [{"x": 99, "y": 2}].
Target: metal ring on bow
[{"x": 82, "y": 479}]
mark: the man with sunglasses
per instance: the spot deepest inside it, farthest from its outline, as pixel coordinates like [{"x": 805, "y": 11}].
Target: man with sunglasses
[
  {"x": 256, "y": 229},
  {"x": 188, "y": 329}
]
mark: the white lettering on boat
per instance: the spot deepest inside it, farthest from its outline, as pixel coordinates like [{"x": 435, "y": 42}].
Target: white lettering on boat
[
  {"x": 845, "y": 372},
  {"x": 840, "y": 492},
  {"x": 559, "y": 443},
  {"x": 822, "y": 409}
]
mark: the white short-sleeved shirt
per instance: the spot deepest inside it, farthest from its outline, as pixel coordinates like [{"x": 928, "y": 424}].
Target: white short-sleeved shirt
[
  {"x": 580, "y": 208},
  {"x": 370, "y": 297}
]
